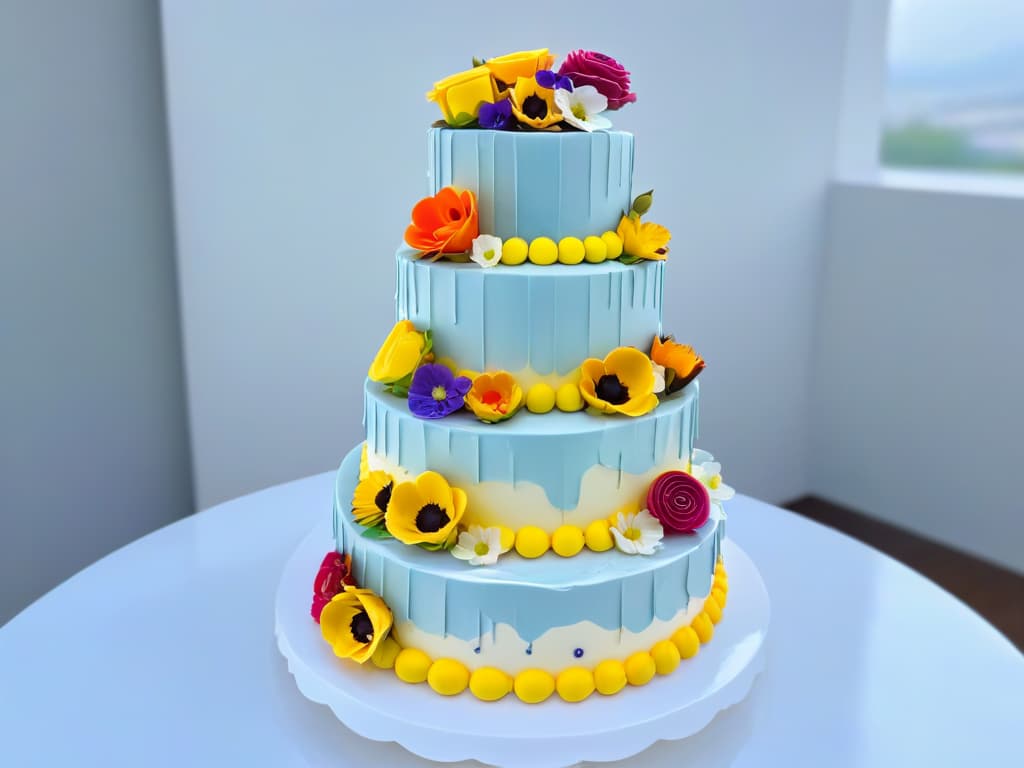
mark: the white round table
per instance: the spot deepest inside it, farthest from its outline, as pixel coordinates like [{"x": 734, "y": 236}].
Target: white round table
[{"x": 163, "y": 653}]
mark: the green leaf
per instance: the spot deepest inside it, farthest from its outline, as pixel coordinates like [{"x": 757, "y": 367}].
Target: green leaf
[
  {"x": 627, "y": 259},
  {"x": 642, "y": 203},
  {"x": 377, "y": 532},
  {"x": 478, "y": 62},
  {"x": 436, "y": 547}
]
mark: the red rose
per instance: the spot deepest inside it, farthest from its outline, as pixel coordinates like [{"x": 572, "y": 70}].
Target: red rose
[
  {"x": 603, "y": 72},
  {"x": 335, "y": 572},
  {"x": 679, "y": 501}
]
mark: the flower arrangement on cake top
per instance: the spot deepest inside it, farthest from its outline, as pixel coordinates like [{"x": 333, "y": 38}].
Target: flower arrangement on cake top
[{"x": 521, "y": 91}]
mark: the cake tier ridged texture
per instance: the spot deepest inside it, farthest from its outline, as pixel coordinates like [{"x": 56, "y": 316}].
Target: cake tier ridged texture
[
  {"x": 550, "y": 613},
  {"x": 537, "y": 184},
  {"x": 545, "y": 470},
  {"x": 537, "y": 322}
]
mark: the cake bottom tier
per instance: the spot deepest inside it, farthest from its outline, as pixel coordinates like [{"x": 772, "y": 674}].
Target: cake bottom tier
[{"x": 539, "y": 616}]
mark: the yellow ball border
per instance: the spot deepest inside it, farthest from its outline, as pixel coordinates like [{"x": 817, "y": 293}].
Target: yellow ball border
[{"x": 543, "y": 251}]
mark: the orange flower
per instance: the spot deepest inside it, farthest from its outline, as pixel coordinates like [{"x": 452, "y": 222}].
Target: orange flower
[
  {"x": 444, "y": 223},
  {"x": 494, "y": 397},
  {"x": 682, "y": 364}
]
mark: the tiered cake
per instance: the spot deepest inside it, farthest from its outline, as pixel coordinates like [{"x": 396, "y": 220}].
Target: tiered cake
[{"x": 528, "y": 513}]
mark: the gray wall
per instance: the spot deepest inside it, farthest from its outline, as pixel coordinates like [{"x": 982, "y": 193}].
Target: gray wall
[{"x": 93, "y": 437}]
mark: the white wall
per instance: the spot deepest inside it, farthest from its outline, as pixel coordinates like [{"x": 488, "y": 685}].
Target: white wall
[
  {"x": 920, "y": 363},
  {"x": 93, "y": 444},
  {"x": 298, "y": 140}
]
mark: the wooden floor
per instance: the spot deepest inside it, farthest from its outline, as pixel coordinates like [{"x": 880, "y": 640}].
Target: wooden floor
[{"x": 994, "y": 592}]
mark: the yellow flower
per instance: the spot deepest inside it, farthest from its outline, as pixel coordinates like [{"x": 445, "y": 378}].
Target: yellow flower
[
  {"x": 425, "y": 511},
  {"x": 533, "y": 105},
  {"x": 460, "y": 96},
  {"x": 681, "y": 362},
  {"x": 355, "y": 623},
  {"x": 508, "y": 68},
  {"x": 371, "y": 497},
  {"x": 494, "y": 397},
  {"x": 400, "y": 353},
  {"x": 622, "y": 383},
  {"x": 643, "y": 240}
]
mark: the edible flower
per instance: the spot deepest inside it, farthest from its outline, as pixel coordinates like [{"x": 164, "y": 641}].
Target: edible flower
[
  {"x": 444, "y": 223},
  {"x": 400, "y": 354},
  {"x": 637, "y": 533},
  {"x": 436, "y": 392},
  {"x": 494, "y": 397},
  {"x": 582, "y": 108},
  {"x": 426, "y": 511},
  {"x": 497, "y": 116},
  {"x": 479, "y": 545},
  {"x": 355, "y": 623},
  {"x": 621, "y": 383},
  {"x": 679, "y": 501},
  {"x": 603, "y": 72},
  {"x": 371, "y": 497},
  {"x": 534, "y": 105},
  {"x": 486, "y": 250},
  {"x": 334, "y": 573},
  {"x": 682, "y": 363},
  {"x": 461, "y": 95},
  {"x": 704, "y": 467},
  {"x": 643, "y": 239},
  {"x": 553, "y": 80},
  {"x": 508, "y": 68}
]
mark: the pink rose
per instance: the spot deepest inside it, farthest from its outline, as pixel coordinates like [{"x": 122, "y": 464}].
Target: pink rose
[
  {"x": 679, "y": 501},
  {"x": 335, "y": 572},
  {"x": 603, "y": 72}
]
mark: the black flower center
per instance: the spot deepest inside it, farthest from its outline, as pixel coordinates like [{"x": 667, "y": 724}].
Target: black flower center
[
  {"x": 535, "y": 108},
  {"x": 431, "y": 518},
  {"x": 611, "y": 390},
  {"x": 361, "y": 627},
  {"x": 383, "y": 497},
  {"x": 501, "y": 85}
]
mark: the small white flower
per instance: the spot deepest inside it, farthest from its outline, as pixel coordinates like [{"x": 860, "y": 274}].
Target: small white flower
[
  {"x": 480, "y": 546},
  {"x": 637, "y": 533},
  {"x": 486, "y": 250},
  {"x": 582, "y": 108},
  {"x": 708, "y": 471},
  {"x": 659, "y": 377}
]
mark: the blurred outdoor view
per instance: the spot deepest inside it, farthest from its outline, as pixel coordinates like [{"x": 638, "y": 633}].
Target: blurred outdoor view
[{"x": 955, "y": 98}]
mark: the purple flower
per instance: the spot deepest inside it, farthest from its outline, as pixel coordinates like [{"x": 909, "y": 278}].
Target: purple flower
[
  {"x": 548, "y": 79},
  {"x": 435, "y": 391},
  {"x": 497, "y": 116},
  {"x": 603, "y": 72}
]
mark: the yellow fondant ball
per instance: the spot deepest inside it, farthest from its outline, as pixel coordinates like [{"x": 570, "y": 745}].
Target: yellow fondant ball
[
  {"x": 704, "y": 628},
  {"x": 721, "y": 583},
  {"x": 513, "y": 251},
  {"x": 686, "y": 642},
  {"x": 543, "y": 251},
  {"x": 719, "y": 596},
  {"x": 540, "y": 398},
  {"x": 613, "y": 243},
  {"x": 567, "y": 540},
  {"x": 713, "y": 609},
  {"x": 448, "y": 677},
  {"x": 508, "y": 538},
  {"x": 533, "y": 685},
  {"x": 719, "y": 567},
  {"x": 386, "y": 653},
  {"x": 595, "y": 249},
  {"x": 598, "y": 536},
  {"x": 666, "y": 657},
  {"x": 609, "y": 677},
  {"x": 571, "y": 250},
  {"x": 411, "y": 665},
  {"x": 640, "y": 668},
  {"x": 532, "y": 541},
  {"x": 568, "y": 398},
  {"x": 575, "y": 684},
  {"x": 489, "y": 684}
]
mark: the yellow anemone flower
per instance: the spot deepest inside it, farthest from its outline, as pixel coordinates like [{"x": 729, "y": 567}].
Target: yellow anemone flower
[
  {"x": 508, "y": 68},
  {"x": 621, "y": 383},
  {"x": 534, "y": 105},
  {"x": 460, "y": 95},
  {"x": 643, "y": 240},
  {"x": 494, "y": 397},
  {"x": 400, "y": 353},
  {"x": 679, "y": 360},
  {"x": 355, "y": 623},
  {"x": 425, "y": 511},
  {"x": 371, "y": 497}
]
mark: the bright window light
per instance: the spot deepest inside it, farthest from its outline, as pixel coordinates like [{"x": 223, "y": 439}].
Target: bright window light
[{"x": 955, "y": 95}]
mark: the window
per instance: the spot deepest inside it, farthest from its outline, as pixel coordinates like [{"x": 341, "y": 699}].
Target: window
[{"x": 955, "y": 93}]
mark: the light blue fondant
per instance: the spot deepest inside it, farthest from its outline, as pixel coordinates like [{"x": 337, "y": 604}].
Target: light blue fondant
[
  {"x": 537, "y": 184},
  {"x": 445, "y": 596},
  {"x": 553, "y": 450},
  {"x": 549, "y": 319}
]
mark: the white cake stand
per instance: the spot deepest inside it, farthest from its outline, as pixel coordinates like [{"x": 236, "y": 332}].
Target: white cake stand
[{"x": 377, "y": 705}]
